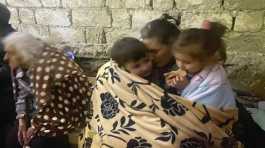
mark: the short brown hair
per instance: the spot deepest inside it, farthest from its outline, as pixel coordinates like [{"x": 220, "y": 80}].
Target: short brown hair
[{"x": 128, "y": 49}]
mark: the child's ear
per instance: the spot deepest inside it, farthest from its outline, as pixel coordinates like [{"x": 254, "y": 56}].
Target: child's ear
[
  {"x": 150, "y": 55},
  {"x": 214, "y": 59},
  {"x": 219, "y": 58}
]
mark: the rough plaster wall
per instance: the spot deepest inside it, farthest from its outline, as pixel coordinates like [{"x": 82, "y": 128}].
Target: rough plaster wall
[{"x": 91, "y": 26}]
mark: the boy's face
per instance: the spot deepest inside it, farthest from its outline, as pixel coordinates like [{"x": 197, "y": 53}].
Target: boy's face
[
  {"x": 189, "y": 64},
  {"x": 142, "y": 67}
]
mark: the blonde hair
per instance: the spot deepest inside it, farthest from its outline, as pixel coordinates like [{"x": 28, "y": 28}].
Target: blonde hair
[{"x": 26, "y": 46}]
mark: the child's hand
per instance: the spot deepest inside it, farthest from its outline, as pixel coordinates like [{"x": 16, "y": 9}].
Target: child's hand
[{"x": 177, "y": 79}]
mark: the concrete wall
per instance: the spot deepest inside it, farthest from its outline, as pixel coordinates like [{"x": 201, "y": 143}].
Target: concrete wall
[{"x": 91, "y": 26}]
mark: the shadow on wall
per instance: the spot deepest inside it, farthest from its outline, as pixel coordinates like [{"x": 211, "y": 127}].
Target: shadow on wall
[
  {"x": 90, "y": 65},
  {"x": 246, "y": 54},
  {"x": 247, "y": 73}
]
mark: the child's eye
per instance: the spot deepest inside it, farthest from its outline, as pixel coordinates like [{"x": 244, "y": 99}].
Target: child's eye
[
  {"x": 182, "y": 61},
  {"x": 153, "y": 51},
  {"x": 146, "y": 60},
  {"x": 136, "y": 66}
]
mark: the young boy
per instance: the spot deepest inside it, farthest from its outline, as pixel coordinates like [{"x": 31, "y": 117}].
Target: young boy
[{"x": 132, "y": 55}]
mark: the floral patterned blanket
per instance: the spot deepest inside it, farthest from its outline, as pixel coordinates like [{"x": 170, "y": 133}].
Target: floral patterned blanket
[{"x": 129, "y": 111}]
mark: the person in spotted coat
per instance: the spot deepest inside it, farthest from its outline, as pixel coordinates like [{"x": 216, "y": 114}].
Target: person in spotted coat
[{"x": 51, "y": 91}]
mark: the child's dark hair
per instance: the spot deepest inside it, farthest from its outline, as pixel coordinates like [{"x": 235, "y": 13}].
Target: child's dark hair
[
  {"x": 165, "y": 29},
  {"x": 128, "y": 49},
  {"x": 201, "y": 43}
]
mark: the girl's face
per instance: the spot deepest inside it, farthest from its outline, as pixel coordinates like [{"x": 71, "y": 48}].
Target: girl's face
[
  {"x": 188, "y": 63},
  {"x": 161, "y": 53},
  {"x": 142, "y": 67}
]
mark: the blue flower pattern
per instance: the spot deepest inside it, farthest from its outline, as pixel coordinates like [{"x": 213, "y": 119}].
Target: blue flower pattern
[{"x": 109, "y": 106}]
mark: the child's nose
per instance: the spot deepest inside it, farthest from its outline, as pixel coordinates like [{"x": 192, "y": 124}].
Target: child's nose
[
  {"x": 180, "y": 64},
  {"x": 144, "y": 69}
]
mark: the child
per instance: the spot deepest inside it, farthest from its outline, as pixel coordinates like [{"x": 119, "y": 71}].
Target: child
[
  {"x": 132, "y": 55},
  {"x": 200, "y": 77}
]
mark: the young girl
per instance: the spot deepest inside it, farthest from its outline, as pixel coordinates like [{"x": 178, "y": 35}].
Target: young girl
[
  {"x": 200, "y": 77},
  {"x": 132, "y": 55}
]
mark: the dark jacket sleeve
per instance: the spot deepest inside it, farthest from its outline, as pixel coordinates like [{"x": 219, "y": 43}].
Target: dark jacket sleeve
[
  {"x": 7, "y": 103},
  {"x": 25, "y": 98},
  {"x": 4, "y": 70},
  {"x": 4, "y": 73}
]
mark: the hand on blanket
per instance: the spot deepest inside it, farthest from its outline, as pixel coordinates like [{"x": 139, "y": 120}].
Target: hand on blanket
[{"x": 177, "y": 79}]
